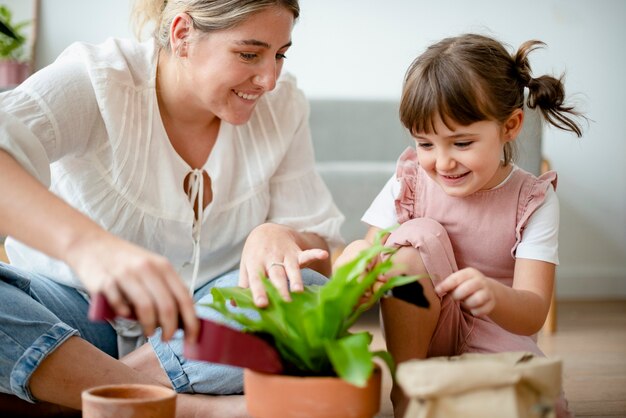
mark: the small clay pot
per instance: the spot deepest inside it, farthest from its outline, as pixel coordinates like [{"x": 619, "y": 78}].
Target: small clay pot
[
  {"x": 13, "y": 73},
  {"x": 273, "y": 395},
  {"x": 129, "y": 401}
]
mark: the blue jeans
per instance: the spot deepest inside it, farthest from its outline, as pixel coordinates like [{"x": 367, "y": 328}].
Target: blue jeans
[{"x": 37, "y": 315}]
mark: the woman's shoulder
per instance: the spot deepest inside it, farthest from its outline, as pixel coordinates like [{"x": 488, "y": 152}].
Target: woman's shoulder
[
  {"x": 287, "y": 84},
  {"x": 287, "y": 97},
  {"x": 119, "y": 60}
]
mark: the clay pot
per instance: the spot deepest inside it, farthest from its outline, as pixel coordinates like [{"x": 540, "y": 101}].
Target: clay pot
[
  {"x": 129, "y": 401},
  {"x": 13, "y": 73},
  {"x": 271, "y": 396}
]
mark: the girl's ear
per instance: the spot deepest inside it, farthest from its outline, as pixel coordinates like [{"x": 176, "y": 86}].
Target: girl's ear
[
  {"x": 180, "y": 31},
  {"x": 513, "y": 125}
]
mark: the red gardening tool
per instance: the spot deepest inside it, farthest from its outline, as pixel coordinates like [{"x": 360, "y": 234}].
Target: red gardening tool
[{"x": 216, "y": 343}]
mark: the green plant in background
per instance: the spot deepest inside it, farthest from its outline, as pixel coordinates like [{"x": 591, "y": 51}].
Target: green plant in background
[
  {"x": 312, "y": 332},
  {"x": 12, "y": 41}
]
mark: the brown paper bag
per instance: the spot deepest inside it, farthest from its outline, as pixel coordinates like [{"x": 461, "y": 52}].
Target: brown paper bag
[{"x": 511, "y": 385}]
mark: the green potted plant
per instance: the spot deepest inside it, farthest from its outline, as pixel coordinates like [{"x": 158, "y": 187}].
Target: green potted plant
[
  {"x": 14, "y": 65},
  {"x": 313, "y": 338}
]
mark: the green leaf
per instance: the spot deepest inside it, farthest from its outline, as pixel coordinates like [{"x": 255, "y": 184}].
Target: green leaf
[
  {"x": 12, "y": 41},
  {"x": 351, "y": 358}
]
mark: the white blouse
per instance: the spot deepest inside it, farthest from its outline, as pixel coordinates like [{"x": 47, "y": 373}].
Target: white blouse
[{"x": 88, "y": 126}]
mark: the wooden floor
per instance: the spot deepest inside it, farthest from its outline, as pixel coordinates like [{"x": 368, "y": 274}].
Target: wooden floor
[{"x": 591, "y": 341}]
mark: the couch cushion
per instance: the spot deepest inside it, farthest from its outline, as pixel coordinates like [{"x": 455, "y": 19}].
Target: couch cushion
[
  {"x": 357, "y": 130},
  {"x": 357, "y": 143}
]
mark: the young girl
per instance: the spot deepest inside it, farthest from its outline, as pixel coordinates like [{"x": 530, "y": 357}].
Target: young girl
[{"x": 483, "y": 229}]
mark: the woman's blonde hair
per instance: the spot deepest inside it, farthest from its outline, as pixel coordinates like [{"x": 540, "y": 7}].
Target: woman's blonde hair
[{"x": 207, "y": 15}]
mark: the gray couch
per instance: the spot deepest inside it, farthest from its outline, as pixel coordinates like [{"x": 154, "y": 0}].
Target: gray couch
[{"x": 357, "y": 143}]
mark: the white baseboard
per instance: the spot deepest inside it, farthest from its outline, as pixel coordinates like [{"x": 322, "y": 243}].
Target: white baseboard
[{"x": 591, "y": 282}]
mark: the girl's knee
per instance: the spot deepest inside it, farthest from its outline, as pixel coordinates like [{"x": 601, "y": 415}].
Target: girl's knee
[
  {"x": 408, "y": 260},
  {"x": 417, "y": 233},
  {"x": 432, "y": 245}
]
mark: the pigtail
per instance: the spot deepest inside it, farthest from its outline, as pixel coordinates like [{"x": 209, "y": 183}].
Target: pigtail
[
  {"x": 521, "y": 60},
  {"x": 546, "y": 92}
]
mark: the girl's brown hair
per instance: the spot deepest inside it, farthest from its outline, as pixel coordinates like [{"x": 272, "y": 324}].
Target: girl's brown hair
[
  {"x": 470, "y": 78},
  {"x": 207, "y": 15}
]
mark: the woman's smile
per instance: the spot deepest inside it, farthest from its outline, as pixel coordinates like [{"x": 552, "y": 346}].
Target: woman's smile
[{"x": 250, "y": 97}]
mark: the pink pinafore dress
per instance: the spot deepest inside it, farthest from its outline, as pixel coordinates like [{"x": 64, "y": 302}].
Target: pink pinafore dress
[{"x": 481, "y": 231}]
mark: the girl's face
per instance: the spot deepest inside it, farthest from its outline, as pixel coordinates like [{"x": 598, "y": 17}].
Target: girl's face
[
  {"x": 226, "y": 72},
  {"x": 465, "y": 159}
]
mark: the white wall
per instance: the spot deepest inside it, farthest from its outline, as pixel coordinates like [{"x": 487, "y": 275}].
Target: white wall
[{"x": 361, "y": 48}]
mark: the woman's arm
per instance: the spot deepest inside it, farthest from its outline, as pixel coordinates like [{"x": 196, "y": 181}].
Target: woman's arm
[
  {"x": 301, "y": 221},
  {"x": 129, "y": 276},
  {"x": 33, "y": 215}
]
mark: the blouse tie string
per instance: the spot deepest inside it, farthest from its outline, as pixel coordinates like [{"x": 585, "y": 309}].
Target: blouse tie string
[{"x": 195, "y": 194}]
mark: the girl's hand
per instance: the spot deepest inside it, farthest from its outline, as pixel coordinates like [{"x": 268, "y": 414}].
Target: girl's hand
[
  {"x": 135, "y": 280},
  {"x": 471, "y": 288},
  {"x": 272, "y": 249}
]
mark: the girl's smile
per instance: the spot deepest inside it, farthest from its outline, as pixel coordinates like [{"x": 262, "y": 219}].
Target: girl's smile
[
  {"x": 463, "y": 159},
  {"x": 453, "y": 180}
]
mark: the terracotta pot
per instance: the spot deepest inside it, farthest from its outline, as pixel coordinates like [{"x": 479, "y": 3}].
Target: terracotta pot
[
  {"x": 271, "y": 396},
  {"x": 129, "y": 401},
  {"x": 13, "y": 73}
]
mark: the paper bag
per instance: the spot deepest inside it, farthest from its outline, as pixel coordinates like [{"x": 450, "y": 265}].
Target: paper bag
[{"x": 511, "y": 385}]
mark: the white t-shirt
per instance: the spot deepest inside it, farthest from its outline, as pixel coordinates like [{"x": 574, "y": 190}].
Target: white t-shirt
[
  {"x": 540, "y": 238},
  {"x": 88, "y": 127}
]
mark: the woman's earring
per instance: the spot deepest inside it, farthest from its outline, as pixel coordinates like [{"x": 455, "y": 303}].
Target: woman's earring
[{"x": 179, "y": 48}]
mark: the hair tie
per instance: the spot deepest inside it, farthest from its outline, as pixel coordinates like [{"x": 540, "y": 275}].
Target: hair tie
[{"x": 524, "y": 77}]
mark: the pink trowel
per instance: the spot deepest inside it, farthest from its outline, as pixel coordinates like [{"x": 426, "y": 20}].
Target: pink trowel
[{"x": 216, "y": 343}]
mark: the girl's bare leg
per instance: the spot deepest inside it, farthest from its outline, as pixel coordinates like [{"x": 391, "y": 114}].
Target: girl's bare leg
[
  {"x": 407, "y": 328},
  {"x": 77, "y": 365}
]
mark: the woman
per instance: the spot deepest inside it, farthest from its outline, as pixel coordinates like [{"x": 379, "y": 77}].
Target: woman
[{"x": 171, "y": 163}]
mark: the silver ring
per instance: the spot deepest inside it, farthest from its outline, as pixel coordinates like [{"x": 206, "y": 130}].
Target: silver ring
[{"x": 276, "y": 264}]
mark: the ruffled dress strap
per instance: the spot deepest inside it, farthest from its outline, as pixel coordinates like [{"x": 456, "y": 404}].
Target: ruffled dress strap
[
  {"x": 406, "y": 173},
  {"x": 532, "y": 195}
]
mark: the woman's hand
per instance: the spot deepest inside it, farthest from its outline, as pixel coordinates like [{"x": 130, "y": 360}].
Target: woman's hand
[
  {"x": 135, "y": 280},
  {"x": 275, "y": 250},
  {"x": 472, "y": 288}
]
